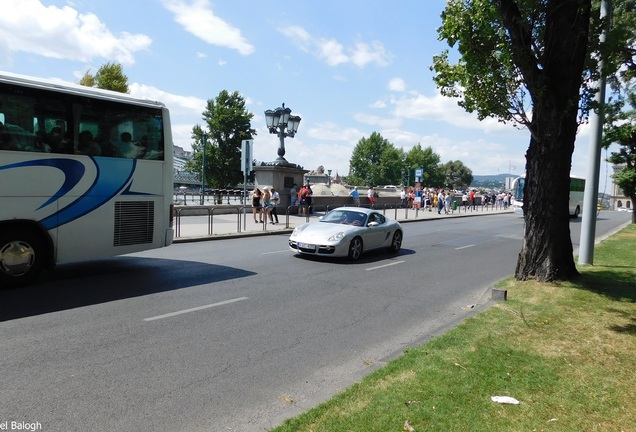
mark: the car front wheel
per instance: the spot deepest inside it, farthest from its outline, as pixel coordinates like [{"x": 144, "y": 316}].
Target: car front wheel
[
  {"x": 396, "y": 242},
  {"x": 355, "y": 249}
]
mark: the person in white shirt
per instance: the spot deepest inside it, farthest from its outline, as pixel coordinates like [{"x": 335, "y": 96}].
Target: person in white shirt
[{"x": 275, "y": 199}]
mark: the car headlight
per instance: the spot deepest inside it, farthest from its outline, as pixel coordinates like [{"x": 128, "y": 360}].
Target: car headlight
[
  {"x": 337, "y": 236},
  {"x": 298, "y": 230}
]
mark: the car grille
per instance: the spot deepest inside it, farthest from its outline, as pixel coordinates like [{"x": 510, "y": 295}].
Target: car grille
[{"x": 323, "y": 250}]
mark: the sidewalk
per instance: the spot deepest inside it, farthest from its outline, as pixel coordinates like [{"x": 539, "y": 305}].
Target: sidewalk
[{"x": 221, "y": 226}]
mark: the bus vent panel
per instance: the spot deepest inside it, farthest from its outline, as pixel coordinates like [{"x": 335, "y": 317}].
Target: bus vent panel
[{"x": 134, "y": 222}]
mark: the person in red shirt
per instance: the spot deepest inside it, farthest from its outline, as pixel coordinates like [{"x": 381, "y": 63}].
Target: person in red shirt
[{"x": 471, "y": 197}]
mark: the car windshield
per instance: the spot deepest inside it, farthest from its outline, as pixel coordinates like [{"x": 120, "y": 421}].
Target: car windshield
[{"x": 345, "y": 217}]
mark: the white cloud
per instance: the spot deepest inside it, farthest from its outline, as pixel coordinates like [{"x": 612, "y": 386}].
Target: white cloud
[
  {"x": 197, "y": 18},
  {"x": 397, "y": 84},
  {"x": 364, "y": 54},
  {"x": 333, "y": 52},
  {"x": 331, "y": 131},
  {"x": 64, "y": 33},
  {"x": 421, "y": 107},
  {"x": 391, "y": 122},
  {"x": 178, "y": 105}
]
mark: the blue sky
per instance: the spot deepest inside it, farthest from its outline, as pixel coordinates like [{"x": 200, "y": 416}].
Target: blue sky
[{"x": 347, "y": 68}]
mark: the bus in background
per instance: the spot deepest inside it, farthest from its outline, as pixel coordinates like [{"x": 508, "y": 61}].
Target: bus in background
[
  {"x": 577, "y": 189},
  {"x": 84, "y": 174}
]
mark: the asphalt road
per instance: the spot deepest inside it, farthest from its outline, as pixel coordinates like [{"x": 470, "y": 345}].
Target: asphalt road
[{"x": 236, "y": 334}]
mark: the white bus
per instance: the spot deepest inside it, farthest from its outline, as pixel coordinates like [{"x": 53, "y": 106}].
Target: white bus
[
  {"x": 577, "y": 189},
  {"x": 84, "y": 174}
]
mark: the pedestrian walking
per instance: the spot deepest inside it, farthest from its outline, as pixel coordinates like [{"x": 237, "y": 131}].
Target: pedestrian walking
[
  {"x": 355, "y": 195},
  {"x": 275, "y": 200},
  {"x": 303, "y": 193},
  {"x": 266, "y": 201},
  {"x": 447, "y": 202},
  {"x": 257, "y": 209},
  {"x": 293, "y": 195}
]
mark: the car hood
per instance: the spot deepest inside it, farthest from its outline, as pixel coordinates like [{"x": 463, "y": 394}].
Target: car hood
[{"x": 323, "y": 230}]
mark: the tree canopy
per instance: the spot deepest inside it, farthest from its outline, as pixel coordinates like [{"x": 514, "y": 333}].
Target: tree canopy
[
  {"x": 109, "y": 77},
  {"x": 620, "y": 128},
  {"x": 429, "y": 161},
  {"x": 524, "y": 61},
  {"x": 227, "y": 124},
  {"x": 456, "y": 175},
  {"x": 374, "y": 161}
]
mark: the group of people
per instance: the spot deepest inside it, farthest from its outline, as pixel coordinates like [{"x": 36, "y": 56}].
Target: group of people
[
  {"x": 429, "y": 199},
  {"x": 58, "y": 141},
  {"x": 265, "y": 202},
  {"x": 372, "y": 195},
  {"x": 441, "y": 200},
  {"x": 264, "y": 205},
  {"x": 302, "y": 198}
]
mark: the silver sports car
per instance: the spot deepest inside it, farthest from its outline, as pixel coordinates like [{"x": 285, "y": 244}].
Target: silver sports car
[{"x": 347, "y": 232}]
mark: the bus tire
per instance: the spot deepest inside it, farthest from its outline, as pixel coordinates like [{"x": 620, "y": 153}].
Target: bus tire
[{"x": 21, "y": 257}]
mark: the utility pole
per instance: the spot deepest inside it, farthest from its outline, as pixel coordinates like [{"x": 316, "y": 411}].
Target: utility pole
[{"x": 590, "y": 197}]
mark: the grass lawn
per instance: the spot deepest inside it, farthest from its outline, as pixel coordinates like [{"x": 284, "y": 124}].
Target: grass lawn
[{"x": 566, "y": 351}]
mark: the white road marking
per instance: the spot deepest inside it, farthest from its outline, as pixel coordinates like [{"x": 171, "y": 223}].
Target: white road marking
[
  {"x": 385, "y": 265},
  {"x": 464, "y": 247},
  {"x": 194, "y": 309},
  {"x": 275, "y": 252}
]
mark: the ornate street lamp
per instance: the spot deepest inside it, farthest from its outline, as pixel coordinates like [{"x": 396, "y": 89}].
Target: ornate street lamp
[{"x": 277, "y": 121}]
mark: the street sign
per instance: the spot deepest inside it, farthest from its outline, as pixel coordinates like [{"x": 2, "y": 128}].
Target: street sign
[{"x": 247, "y": 151}]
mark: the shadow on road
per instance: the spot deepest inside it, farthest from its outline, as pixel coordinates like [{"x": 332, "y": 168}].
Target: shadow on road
[{"x": 117, "y": 278}]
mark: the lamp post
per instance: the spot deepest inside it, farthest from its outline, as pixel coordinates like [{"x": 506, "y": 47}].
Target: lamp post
[
  {"x": 277, "y": 121},
  {"x": 205, "y": 141},
  {"x": 329, "y": 174}
]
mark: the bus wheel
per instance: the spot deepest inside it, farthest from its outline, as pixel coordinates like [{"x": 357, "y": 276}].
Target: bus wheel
[{"x": 21, "y": 257}]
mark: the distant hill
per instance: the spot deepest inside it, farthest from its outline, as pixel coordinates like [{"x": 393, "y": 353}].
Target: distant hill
[{"x": 495, "y": 181}]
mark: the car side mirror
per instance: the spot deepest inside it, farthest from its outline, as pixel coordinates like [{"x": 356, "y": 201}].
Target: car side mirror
[{"x": 373, "y": 224}]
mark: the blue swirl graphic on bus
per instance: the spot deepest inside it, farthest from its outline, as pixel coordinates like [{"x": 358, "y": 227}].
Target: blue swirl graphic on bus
[
  {"x": 113, "y": 176},
  {"x": 72, "y": 169}
]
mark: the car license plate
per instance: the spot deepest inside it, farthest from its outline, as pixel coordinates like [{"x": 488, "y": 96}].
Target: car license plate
[{"x": 307, "y": 246}]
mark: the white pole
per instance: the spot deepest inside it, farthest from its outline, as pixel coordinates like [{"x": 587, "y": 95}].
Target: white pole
[{"x": 590, "y": 197}]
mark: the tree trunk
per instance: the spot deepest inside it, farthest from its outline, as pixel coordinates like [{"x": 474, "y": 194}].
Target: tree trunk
[
  {"x": 554, "y": 82},
  {"x": 546, "y": 254}
]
